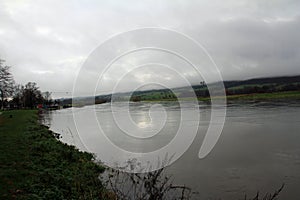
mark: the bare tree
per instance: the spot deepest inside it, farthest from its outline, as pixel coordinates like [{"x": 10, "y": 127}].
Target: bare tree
[{"x": 6, "y": 82}]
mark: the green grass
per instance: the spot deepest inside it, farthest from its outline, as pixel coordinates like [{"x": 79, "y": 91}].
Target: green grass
[
  {"x": 248, "y": 85},
  {"x": 292, "y": 95},
  {"x": 35, "y": 165}
]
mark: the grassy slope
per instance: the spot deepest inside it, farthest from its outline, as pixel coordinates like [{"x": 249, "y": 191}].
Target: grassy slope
[{"x": 35, "y": 165}]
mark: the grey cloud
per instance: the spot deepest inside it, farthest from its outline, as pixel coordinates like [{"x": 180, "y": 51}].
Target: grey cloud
[
  {"x": 255, "y": 48},
  {"x": 48, "y": 41}
]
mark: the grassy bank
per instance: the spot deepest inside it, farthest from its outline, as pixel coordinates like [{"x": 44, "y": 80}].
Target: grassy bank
[
  {"x": 35, "y": 165},
  {"x": 290, "y": 95}
]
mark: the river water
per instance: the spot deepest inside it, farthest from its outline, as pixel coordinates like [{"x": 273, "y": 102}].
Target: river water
[{"x": 258, "y": 150}]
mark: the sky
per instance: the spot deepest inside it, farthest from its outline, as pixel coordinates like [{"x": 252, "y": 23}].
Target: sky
[{"x": 50, "y": 42}]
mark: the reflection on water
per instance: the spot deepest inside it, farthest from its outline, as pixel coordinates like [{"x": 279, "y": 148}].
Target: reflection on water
[
  {"x": 258, "y": 149},
  {"x": 154, "y": 128}
]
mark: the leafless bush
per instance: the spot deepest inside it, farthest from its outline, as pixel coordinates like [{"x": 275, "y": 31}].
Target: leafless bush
[
  {"x": 145, "y": 186},
  {"x": 157, "y": 186},
  {"x": 268, "y": 196}
]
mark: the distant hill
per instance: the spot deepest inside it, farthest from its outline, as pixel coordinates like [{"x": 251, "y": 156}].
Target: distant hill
[
  {"x": 260, "y": 81},
  {"x": 236, "y": 87},
  {"x": 250, "y": 86}
]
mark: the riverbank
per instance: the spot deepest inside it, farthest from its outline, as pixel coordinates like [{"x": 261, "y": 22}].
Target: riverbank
[
  {"x": 35, "y": 165},
  {"x": 276, "y": 96},
  {"x": 289, "y": 95}
]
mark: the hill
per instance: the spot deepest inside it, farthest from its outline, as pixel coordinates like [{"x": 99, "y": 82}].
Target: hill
[{"x": 235, "y": 88}]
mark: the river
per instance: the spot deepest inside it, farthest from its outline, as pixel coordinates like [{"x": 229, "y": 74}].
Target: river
[{"x": 258, "y": 150}]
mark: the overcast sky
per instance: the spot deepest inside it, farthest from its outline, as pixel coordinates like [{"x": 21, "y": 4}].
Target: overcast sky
[{"x": 48, "y": 41}]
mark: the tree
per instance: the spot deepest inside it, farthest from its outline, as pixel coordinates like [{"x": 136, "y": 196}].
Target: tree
[
  {"x": 32, "y": 95},
  {"x": 18, "y": 96},
  {"x": 6, "y": 82},
  {"x": 47, "y": 97}
]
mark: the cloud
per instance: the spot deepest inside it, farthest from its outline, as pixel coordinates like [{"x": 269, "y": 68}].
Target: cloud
[
  {"x": 48, "y": 41},
  {"x": 254, "y": 48}
]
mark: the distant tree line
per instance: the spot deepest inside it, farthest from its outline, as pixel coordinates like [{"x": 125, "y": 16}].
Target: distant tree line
[{"x": 19, "y": 96}]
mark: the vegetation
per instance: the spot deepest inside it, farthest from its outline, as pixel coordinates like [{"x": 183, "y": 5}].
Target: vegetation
[
  {"x": 18, "y": 96},
  {"x": 289, "y": 95},
  {"x": 157, "y": 186},
  {"x": 6, "y": 82},
  {"x": 253, "y": 89},
  {"x": 35, "y": 165},
  {"x": 145, "y": 186},
  {"x": 165, "y": 94}
]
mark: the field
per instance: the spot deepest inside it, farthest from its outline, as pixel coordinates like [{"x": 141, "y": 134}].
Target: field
[{"x": 289, "y": 95}]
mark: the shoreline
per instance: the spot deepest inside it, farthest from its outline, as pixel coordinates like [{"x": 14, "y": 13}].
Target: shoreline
[
  {"x": 35, "y": 164},
  {"x": 288, "y": 95}
]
